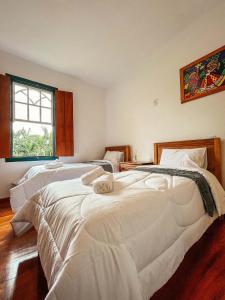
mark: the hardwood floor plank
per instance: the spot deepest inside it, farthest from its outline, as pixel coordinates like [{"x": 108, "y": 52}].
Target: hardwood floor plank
[{"x": 20, "y": 275}]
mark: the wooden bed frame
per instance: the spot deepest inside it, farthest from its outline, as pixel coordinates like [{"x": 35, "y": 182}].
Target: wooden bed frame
[
  {"x": 125, "y": 149},
  {"x": 213, "y": 146}
]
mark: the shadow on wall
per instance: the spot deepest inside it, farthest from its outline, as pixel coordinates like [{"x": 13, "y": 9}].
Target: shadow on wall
[{"x": 223, "y": 161}]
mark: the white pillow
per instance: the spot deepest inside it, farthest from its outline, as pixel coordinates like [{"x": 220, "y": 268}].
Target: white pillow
[
  {"x": 114, "y": 156},
  {"x": 196, "y": 157}
]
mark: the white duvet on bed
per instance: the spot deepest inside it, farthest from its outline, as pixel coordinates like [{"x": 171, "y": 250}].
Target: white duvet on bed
[
  {"x": 38, "y": 176},
  {"x": 123, "y": 245}
]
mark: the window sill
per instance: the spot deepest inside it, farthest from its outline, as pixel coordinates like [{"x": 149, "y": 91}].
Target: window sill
[{"x": 34, "y": 158}]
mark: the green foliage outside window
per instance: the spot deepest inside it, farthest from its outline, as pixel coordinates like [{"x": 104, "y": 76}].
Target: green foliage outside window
[{"x": 26, "y": 144}]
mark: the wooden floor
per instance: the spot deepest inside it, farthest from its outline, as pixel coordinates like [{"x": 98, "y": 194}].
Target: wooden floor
[
  {"x": 21, "y": 276},
  {"x": 201, "y": 276}
]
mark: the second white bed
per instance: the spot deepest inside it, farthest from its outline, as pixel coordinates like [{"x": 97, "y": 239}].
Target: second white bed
[
  {"x": 123, "y": 245},
  {"x": 38, "y": 176}
]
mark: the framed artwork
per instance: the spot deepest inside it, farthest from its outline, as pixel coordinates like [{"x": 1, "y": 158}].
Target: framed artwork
[{"x": 203, "y": 77}]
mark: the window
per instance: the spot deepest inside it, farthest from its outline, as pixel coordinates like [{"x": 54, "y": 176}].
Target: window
[
  {"x": 32, "y": 120},
  {"x": 36, "y": 120}
]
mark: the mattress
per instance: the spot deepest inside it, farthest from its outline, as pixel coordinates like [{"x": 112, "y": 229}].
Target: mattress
[{"x": 123, "y": 245}]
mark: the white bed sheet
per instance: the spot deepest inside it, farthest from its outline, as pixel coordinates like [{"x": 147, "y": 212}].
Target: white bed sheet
[{"x": 124, "y": 245}]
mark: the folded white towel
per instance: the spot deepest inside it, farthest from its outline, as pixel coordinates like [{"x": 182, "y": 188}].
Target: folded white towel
[
  {"x": 54, "y": 164},
  {"x": 88, "y": 177},
  {"x": 103, "y": 184}
]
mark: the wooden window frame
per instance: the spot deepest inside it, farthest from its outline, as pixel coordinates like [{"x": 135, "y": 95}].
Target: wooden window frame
[{"x": 34, "y": 84}]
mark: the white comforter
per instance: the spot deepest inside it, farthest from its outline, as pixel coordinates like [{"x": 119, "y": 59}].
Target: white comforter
[
  {"x": 38, "y": 176},
  {"x": 124, "y": 245}
]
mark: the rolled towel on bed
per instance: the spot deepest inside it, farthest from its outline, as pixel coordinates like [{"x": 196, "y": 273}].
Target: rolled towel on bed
[
  {"x": 54, "y": 164},
  {"x": 88, "y": 177},
  {"x": 103, "y": 184}
]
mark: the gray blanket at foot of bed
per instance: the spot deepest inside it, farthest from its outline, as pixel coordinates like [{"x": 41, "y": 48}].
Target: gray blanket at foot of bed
[
  {"x": 104, "y": 164},
  {"x": 198, "y": 178}
]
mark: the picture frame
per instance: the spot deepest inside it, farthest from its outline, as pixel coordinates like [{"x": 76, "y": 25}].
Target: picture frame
[{"x": 204, "y": 76}]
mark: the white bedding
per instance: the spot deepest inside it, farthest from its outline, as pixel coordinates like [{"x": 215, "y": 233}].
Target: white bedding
[
  {"x": 38, "y": 176},
  {"x": 123, "y": 245}
]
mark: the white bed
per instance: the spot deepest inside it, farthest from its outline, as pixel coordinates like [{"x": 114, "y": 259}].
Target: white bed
[
  {"x": 39, "y": 176},
  {"x": 123, "y": 245}
]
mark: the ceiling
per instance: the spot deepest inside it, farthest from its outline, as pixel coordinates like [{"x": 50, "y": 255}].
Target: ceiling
[{"x": 101, "y": 41}]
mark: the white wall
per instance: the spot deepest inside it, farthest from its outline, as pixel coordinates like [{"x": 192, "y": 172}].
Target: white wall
[
  {"x": 89, "y": 101},
  {"x": 131, "y": 116}
]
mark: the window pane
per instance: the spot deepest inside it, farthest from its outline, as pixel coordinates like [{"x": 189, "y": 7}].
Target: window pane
[
  {"x": 31, "y": 139},
  {"x": 32, "y": 125},
  {"x": 48, "y": 95},
  {"x": 20, "y": 93},
  {"x": 46, "y": 115},
  {"x": 18, "y": 87},
  {"x": 34, "y": 113},
  {"x": 34, "y": 96},
  {"x": 20, "y": 111},
  {"x": 46, "y": 99}
]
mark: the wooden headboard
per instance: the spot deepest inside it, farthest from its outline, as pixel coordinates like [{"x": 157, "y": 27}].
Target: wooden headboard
[
  {"x": 125, "y": 149},
  {"x": 213, "y": 152}
]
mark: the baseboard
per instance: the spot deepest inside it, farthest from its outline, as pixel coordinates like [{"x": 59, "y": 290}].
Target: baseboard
[
  {"x": 4, "y": 199},
  {"x": 4, "y": 202}
]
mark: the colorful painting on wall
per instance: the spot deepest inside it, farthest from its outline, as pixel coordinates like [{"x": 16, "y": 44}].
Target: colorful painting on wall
[{"x": 204, "y": 76}]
